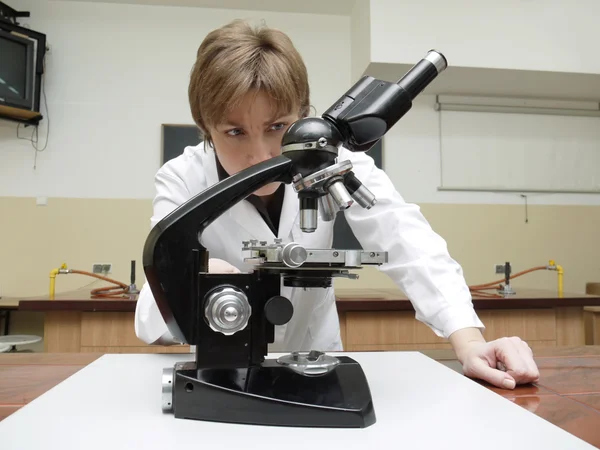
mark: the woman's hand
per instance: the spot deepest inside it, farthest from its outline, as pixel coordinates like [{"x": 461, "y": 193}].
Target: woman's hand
[
  {"x": 504, "y": 362},
  {"x": 216, "y": 265}
]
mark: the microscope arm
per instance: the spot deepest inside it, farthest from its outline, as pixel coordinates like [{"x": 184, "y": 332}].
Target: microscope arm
[{"x": 173, "y": 255}]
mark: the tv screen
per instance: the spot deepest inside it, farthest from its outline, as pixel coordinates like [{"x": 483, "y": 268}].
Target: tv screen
[{"x": 16, "y": 70}]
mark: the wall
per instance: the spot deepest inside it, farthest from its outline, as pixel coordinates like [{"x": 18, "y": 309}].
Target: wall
[
  {"x": 117, "y": 72},
  {"x": 414, "y": 149},
  {"x": 483, "y": 229},
  {"x": 114, "y": 75},
  {"x": 539, "y": 35},
  {"x": 360, "y": 38}
]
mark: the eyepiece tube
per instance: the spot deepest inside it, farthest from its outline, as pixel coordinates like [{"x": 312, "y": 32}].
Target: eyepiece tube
[
  {"x": 423, "y": 73},
  {"x": 437, "y": 59}
]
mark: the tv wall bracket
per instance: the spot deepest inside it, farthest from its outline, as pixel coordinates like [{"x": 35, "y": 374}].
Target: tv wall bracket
[{"x": 10, "y": 15}]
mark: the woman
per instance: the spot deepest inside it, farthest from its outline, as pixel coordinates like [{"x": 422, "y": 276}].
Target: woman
[{"x": 247, "y": 86}]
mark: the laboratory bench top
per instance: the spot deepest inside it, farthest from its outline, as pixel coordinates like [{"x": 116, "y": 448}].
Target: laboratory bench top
[
  {"x": 395, "y": 300},
  {"x": 346, "y": 300},
  {"x": 9, "y": 303},
  {"x": 567, "y": 396}
]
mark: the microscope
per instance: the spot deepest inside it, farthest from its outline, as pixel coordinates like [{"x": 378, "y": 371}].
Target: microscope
[{"x": 231, "y": 318}]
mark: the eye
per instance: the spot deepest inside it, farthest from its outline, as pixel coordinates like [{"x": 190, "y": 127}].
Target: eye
[
  {"x": 278, "y": 126},
  {"x": 234, "y": 132}
]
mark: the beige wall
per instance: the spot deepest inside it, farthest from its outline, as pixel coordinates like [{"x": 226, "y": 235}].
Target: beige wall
[
  {"x": 80, "y": 232},
  {"x": 90, "y": 132}
]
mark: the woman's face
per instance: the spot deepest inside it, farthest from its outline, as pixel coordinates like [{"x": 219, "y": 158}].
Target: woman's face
[{"x": 250, "y": 135}]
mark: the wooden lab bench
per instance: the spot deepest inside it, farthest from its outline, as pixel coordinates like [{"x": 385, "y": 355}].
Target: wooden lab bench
[
  {"x": 7, "y": 305},
  {"x": 370, "y": 320},
  {"x": 384, "y": 319},
  {"x": 591, "y": 316},
  {"x": 75, "y": 323}
]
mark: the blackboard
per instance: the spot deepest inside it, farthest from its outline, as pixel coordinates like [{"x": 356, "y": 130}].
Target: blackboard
[{"x": 176, "y": 137}]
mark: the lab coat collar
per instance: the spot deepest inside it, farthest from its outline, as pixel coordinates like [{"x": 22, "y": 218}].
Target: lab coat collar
[
  {"x": 290, "y": 211},
  {"x": 247, "y": 216},
  {"x": 209, "y": 164}
]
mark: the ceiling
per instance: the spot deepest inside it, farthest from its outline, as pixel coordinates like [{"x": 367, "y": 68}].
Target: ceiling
[{"x": 330, "y": 7}]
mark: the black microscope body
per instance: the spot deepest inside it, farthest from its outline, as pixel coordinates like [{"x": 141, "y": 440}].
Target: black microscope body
[{"x": 231, "y": 318}]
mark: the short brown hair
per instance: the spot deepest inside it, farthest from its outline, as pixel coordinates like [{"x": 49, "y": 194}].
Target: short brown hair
[{"x": 236, "y": 58}]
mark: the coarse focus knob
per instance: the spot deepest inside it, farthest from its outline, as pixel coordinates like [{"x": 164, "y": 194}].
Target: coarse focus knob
[{"x": 227, "y": 310}]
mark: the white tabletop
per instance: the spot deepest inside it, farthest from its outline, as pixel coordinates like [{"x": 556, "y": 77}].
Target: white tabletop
[
  {"x": 115, "y": 403},
  {"x": 19, "y": 339}
]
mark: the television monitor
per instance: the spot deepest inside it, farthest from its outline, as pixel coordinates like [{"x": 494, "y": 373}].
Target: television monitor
[
  {"x": 22, "y": 53},
  {"x": 17, "y": 71}
]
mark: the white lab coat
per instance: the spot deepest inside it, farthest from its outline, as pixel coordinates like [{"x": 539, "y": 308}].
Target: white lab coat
[{"x": 418, "y": 260}]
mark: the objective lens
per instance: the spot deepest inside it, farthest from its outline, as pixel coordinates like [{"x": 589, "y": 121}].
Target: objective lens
[
  {"x": 308, "y": 214},
  {"x": 328, "y": 208},
  {"x": 340, "y": 194}
]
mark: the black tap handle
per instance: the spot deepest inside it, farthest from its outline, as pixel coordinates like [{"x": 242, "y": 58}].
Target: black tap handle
[
  {"x": 507, "y": 272},
  {"x": 133, "y": 271}
]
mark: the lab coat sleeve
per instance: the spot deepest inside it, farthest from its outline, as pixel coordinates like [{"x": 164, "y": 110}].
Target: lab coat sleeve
[
  {"x": 418, "y": 258},
  {"x": 150, "y": 326}
]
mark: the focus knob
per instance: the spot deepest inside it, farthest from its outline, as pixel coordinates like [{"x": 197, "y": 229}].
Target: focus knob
[
  {"x": 294, "y": 255},
  {"x": 227, "y": 310},
  {"x": 279, "y": 310}
]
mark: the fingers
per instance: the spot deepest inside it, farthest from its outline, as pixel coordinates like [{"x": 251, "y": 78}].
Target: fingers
[
  {"x": 479, "y": 368},
  {"x": 527, "y": 354},
  {"x": 517, "y": 358},
  {"x": 509, "y": 356},
  {"x": 504, "y": 363}
]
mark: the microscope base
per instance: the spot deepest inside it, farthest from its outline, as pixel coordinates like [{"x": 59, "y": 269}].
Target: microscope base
[{"x": 272, "y": 394}]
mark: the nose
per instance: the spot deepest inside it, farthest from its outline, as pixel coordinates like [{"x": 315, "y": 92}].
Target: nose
[{"x": 261, "y": 151}]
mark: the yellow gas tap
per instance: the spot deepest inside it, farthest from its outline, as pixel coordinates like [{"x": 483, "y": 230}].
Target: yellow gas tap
[
  {"x": 53, "y": 273},
  {"x": 560, "y": 272}
]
